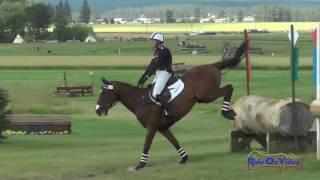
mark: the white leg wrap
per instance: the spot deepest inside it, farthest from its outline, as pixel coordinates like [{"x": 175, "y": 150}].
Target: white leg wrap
[
  {"x": 144, "y": 158},
  {"x": 182, "y": 153},
  {"x": 225, "y": 106}
]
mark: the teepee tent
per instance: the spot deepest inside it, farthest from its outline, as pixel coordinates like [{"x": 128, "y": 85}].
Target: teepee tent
[
  {"x": 18, "y": 40},
  {"x": 90, "y": 39}
]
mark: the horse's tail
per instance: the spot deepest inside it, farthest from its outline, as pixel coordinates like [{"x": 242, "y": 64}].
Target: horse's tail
[{"x": 235, "y": 60}]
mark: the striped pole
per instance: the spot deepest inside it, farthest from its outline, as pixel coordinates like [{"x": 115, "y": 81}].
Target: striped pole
[
  {"x": 293, "y": 89},
  {"x": 318, "y": 88},
  {"x": 246, "y": 37}
]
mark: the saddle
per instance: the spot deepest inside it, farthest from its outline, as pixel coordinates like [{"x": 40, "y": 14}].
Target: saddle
[{"x": 172, "y": 89}]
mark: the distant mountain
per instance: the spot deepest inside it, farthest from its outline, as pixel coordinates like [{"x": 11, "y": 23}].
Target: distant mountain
[{"x": 112, "y": 4}]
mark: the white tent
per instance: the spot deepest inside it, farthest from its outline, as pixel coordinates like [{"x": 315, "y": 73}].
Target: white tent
[
  {"x": 90, "y": 39},
  {"x": 18, "y": 40}
]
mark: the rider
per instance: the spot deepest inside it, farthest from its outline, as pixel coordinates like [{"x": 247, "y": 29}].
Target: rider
[{"x": 161, "y": 66}]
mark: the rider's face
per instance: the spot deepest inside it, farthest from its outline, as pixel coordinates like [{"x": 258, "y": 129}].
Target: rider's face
[{"x": 155, "y": 43}]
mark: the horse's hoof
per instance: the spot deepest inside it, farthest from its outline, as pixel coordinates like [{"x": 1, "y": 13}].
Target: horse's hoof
[
  {"x": 140, "y": 166},
  {"x": 232, "y": 114},
  {"x": 184, "y": 160},
  {"x": 229, "y": 114}
]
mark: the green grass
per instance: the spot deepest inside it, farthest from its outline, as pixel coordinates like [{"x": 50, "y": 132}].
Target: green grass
[
  {"x": 276, "y": 43},
  {"x": 103, "y": 148},
  {"x": 135, "y": 62}
]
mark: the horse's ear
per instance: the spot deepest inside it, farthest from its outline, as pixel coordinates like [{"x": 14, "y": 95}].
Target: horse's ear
[{"x": 104, "y": 81}]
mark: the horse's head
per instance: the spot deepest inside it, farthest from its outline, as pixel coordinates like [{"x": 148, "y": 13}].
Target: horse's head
[{"x": 107, "y": 98}]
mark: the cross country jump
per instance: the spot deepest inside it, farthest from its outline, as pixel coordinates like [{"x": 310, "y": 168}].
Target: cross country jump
[{"x": 201, "y": 85}]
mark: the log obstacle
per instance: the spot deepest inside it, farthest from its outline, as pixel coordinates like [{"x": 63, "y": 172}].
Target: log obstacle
[
  {"x": 74, "y": 90},
  {"x": 315, "y": 110},
  {"x": 67, "y": 90},
  {"x": 269, "y": 122},
  {"x": 38, "y": 123}
]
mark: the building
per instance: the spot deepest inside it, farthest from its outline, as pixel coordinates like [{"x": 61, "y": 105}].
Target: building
[
  {"x": 205, "y": 20},
  {"x": 142, "y": 19},
  {"x": 119, "y": 21},
  {"x": 222, "y": 20},
  {"x": 248, "y": 19}
]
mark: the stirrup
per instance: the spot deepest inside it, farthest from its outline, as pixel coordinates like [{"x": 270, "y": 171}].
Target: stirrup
[
  {"x": 169, "y": 113},
  {"x": 146, "y": 100},
  {"x": 150, "y": 100}
]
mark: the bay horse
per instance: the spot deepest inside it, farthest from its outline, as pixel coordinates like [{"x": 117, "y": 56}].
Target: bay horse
[{"x": 202, "y": 85}]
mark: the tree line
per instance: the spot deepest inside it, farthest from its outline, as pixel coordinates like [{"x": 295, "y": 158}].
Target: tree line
[
  {"x": 262, "y": 13},
  {"x": 33, "y": 20}
]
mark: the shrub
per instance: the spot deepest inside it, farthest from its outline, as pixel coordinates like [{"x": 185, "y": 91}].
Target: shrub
[
  {"x": 4, "y": 112},
  {"x": 76, "y": 32}
]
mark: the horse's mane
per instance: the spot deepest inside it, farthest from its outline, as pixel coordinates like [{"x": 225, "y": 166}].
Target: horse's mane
[{"x": 131, "y": 87}]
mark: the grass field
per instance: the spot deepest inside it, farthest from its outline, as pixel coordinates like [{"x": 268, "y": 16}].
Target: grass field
[
  {"x": 215, "y": 27},
  {"x": 137, "y": 54},
  {"x": 103, "y": 148},
  {"x": 134, "y": 62},
  {"x": 276, "y": 43}
]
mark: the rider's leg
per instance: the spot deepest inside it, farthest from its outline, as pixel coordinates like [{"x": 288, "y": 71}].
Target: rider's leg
[
  {"x": 161, "y": 81},
  {"x": 169, "y": 111}
]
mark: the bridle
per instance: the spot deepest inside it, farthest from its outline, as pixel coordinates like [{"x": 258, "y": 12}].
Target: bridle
[{"x": 110, "y": 87}]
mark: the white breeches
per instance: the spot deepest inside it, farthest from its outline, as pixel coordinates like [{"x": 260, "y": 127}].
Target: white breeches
[{"x": 160, "y": 81}]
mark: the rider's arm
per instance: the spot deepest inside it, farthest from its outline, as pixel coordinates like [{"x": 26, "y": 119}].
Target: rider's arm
[{"x": 151, "y": 69}]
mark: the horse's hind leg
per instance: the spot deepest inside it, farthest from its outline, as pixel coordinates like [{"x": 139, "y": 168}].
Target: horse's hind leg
[
  {"x": 183, "y": 155},
  {"x": 226, "y": 92}
]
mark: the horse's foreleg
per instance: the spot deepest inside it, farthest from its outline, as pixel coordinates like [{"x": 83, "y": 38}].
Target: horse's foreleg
[
  {"x": 226, "y": 92},
  {"x": 183, "y": 155},
  {"x": 147, "y": 144}
]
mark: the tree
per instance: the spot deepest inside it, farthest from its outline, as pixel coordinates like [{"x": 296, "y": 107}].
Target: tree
[
  {"x": 286, "y": 15},
  {"x": 77, "y": 32},
  {"x": 169, "y": 16},
  {"x": 222, "y": 14},
  {"x": 13, "y": 1},
  {"x": 61, "y": 16},
  {"x": 39, "y": 18},
  {"x": 197, "y": 14},
  {"x": 12, "y": 17},
  {"x": 61, "y": 21},
  {"x": 68, "y": 12},
  {"x": 240, "y": 16},
  {"x": 4, "y": 112},
  {"x": 85, "y": 13}
]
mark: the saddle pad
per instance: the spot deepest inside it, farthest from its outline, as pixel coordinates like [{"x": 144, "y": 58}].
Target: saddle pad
[{"x": 175, "y": 89}]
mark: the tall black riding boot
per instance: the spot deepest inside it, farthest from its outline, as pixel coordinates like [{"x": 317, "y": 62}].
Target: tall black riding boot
[{"x": 169, "y": 112}]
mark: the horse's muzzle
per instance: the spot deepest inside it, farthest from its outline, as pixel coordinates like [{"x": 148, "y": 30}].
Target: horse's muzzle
[{"x": 100, "y": 112}]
